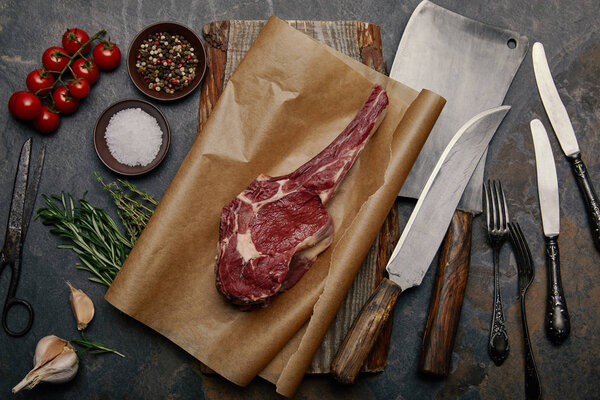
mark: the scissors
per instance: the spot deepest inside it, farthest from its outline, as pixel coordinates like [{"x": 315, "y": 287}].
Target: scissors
[{"x": 21, "y": 208}]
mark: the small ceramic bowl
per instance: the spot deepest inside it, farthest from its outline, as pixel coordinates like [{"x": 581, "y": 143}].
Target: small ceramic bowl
[
  {"x": 102, "y": 147},
  {"x": 174, "y": 29}
]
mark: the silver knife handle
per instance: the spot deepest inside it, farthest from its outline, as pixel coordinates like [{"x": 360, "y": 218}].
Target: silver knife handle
[
  {"x": 591, "y": 198},
  {"x": 558, "y": 323}
]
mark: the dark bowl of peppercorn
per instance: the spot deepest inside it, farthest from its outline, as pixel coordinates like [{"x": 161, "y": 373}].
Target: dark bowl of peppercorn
[{"x": 166, "y": 61}]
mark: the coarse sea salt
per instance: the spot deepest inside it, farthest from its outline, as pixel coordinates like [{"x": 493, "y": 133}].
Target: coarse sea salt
[{"x": 133, "y": 137}]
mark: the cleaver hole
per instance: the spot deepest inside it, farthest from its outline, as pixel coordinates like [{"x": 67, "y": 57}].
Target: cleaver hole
[{"x": 512, "y": 43}]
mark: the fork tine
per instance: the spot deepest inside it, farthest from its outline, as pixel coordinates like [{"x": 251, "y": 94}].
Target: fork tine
[
  {"x": 496, "y": 216},
  {"x": 522, "y": 250},
  {"x": 497, "y": 207},
  {"x": 498, "y": 203},
  {"x": 526, "y": 253},
  {"x": 505, "y": 207},
  {"x": 529, "y": 264},
  {"x": 501, "y": 222},
  {"x": 515, "y": 234},
  {"x": 486, "y": 202}
]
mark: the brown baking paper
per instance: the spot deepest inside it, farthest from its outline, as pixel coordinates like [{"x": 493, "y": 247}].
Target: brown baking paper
[{"x": 289, "y": 98}]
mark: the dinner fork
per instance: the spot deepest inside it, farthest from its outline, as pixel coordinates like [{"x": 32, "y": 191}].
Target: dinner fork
[
  {"x": 526, "y": 271},
  {"x": 497, "y": 228}
]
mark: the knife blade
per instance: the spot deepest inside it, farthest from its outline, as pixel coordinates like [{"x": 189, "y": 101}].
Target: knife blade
[
  {"x": 421, "y": 237},
  {"x": 559, "y": 118},
  {"x": 32, "y": 189},
  {"x": 558, "y": 323}
]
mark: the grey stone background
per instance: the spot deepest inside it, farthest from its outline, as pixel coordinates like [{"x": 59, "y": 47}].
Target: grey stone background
[{"x": 156, "y": 368}]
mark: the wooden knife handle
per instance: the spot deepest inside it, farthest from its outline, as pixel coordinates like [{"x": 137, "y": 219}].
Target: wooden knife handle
[
  {"x": 589, "y": 194},
  {"x": 364, "y": 332},
  {"x": 558, "y": 323},
  {"x": 447, "y": 297}
]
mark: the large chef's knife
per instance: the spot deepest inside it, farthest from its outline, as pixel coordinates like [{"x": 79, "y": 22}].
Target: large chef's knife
[
  {"x": 557, "y": 316},
  {"x": 420, "y": 239},
  {"x": 470, "y": 64},
  {"x": 566, "y": 136}
]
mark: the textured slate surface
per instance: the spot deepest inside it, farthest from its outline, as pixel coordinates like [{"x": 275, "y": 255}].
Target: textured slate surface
[{"x": 155, "y": 368}]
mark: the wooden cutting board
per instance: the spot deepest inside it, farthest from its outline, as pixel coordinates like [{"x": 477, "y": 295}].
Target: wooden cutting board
[{"x": 227, "y": 42}]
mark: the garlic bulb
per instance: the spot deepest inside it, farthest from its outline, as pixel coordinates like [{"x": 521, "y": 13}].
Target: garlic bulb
[
  {"x": 83, "y": 307},
  {"x": 55, "y": 360}
]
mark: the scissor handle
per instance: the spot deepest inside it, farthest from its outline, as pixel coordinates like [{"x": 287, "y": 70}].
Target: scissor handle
[
  {"x": 11, "y": 299},
  {"x": 11, "y": 302}
]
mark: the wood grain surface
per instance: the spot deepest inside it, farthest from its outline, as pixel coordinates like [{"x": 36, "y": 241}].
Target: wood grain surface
[
  {"x": 364, "y": 332},
  {"x": 447, "y": 296},
  {"x": 227, "y": 42}
]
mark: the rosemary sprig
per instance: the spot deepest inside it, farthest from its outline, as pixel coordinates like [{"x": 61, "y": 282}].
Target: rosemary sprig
[
  {"x": 94, "y": 347},
  {"x": 93, "y": 234},
  {"x": 134, "y": 206}
]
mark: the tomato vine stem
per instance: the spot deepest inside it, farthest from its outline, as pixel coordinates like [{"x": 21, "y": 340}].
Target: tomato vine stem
[{"x": 75, "y": 55}]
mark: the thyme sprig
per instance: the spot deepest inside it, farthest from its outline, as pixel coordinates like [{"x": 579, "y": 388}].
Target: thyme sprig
[
  {"x": 134, "y": 206},
  {"x": 94, "y": 346}
]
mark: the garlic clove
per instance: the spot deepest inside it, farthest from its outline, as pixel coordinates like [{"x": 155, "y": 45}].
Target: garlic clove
[
  {"x": 83, "y": 307},
  {"x": 59, "y": 368},
  {"x": 47, "y": 348}
]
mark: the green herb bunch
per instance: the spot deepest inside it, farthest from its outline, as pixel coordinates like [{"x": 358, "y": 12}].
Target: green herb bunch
[
  {"x": 134, "y": 206},
  {"x": 93, "y": 234}
]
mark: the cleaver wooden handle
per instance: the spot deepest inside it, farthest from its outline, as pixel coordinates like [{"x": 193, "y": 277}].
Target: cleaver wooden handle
[
  {"x": 364, "y": 332},
  {"x": 447, "y": 296}
]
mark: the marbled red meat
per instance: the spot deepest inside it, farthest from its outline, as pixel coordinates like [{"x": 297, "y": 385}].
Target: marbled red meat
[{"x": 272, "y": 232}]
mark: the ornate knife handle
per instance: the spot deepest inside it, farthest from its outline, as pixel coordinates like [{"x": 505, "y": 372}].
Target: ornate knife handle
[
  {"x": 558, "y": 324},
  {"x": 592, "y": 203}
]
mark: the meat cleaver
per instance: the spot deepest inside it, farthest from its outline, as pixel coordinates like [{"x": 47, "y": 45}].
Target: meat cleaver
[{"x": 472, "y": 65}]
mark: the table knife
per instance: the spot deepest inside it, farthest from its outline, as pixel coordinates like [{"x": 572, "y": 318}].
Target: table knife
[
  {"x": 557, "y": 114},
  {"x": 420, "y": 239},
  {"x": 557, "y": 315}
]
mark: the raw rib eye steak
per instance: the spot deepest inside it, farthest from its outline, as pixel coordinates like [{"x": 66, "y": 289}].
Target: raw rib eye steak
[{"x": 272, "y": 232}]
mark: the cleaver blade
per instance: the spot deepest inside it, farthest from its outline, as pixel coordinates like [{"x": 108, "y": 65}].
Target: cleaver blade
[{"x": 470, "y": 64}]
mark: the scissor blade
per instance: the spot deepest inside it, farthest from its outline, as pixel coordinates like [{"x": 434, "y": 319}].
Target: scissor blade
[
  {"x": 15, "y": 217},
  {"x": 32, "y": 189}
]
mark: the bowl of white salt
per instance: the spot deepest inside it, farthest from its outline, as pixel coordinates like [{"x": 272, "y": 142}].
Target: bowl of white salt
[{"x": 132, "y": 137}]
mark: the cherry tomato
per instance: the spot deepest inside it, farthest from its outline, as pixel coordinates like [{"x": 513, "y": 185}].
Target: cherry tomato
[
  {"x": 46, "y": 121},
  {"x": 79, "y": 88},
  {"x": 24, "y": 105},
  {"x": 107, "y": 55},
  {"x": 87, "y": 69},
  {"x": 11, "y": 101},
  {"x": 55, "y": 59},
  {"x": 40, "y": 80},
  {"x": 73, "y": 39},
  {"x": 63, "y": 101}
]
